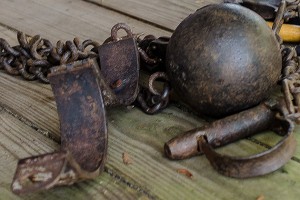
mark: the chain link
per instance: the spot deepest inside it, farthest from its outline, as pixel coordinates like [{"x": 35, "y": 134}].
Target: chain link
[
  {"x": 152, "y": 52},
  {"x": 152, "y": 101},
  {"x": 34, "y": 56},
  {"x": 290, "y": 81}
]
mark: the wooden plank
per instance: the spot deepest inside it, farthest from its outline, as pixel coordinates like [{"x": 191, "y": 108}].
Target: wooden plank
[
  {"x": 63, "y": 20},
  {"x": 269, "y": 139},
  {"x": 15, "y": 96},
  {"x": 19, "y": 140},
  {"x": 39, "y": 97},
  {"x": 166, "y": 14},
  {"x": 142, "y": 137}
]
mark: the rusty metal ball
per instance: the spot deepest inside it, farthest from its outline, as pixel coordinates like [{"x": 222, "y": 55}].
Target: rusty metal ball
[{"x": 223, "y": 59}]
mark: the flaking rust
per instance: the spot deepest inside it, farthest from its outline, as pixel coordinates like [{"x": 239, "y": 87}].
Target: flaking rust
[
  {"x": 80, "y": 105},
  {"x": 221, "y": 132},
  {"x": 232, "y": 128},
  {"x": 119, "y": 61},
  {"x": 82, "y": 90}
]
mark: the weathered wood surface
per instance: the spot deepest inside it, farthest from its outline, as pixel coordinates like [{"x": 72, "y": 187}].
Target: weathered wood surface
[
  {"x": 63, "y": 20},
  {"x": 163, "y": 13},
  {"x": 19, "y": 140},
  {"x": 30, "y": 118}
]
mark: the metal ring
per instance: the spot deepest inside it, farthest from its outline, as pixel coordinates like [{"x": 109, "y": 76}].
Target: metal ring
[
  {"x": 255, "y": 165},
  {"x": 153, "y": 78},
  {"x": 117, "y": 27}
]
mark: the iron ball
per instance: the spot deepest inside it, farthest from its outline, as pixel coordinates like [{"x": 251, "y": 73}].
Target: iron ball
[{"x": 223, "y": 59}]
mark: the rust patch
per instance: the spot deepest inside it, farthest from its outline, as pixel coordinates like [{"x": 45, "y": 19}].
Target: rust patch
[
  {"x": 185, "y": 172},
  {"x": 119, "y": 61},
  {"x": 260, "y": 197},
  {"x": 126, "y": 158},
  {"x": 80, "y": 106},
  {"x": 232, "y": 128}
]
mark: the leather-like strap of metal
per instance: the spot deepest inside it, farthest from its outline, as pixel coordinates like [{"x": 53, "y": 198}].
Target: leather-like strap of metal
[
  {"x": 82, "y": 90},
  {"x": 232, "y": 128},
  {"x": 83, "y": 127},
  {"x": 252, "y": 121},
  {"x": 256, "y": 165}
]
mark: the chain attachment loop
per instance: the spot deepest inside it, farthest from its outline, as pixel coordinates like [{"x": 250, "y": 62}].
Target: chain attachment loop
[
  {"x": 34, "y": 56},
  {"x": 290, "y": 80},
  {"x": 152, "y": 101}
]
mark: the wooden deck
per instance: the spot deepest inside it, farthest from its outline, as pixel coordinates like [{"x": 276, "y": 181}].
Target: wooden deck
[{"x": 29, "y": 122}]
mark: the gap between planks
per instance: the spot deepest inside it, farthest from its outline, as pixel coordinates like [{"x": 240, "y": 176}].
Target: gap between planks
[
  {"x": 129, "y": 15},
  {"x": 267, "y": 146},
  {"x": 55, "y": 137},
  {"x": 115, "y": 157},
  {"x": 107, "y": 170},
  {"x": 187, "y": 161},
  {"x": 165, "y": 14},
  {"x": 19, "y": 141},
  {"x": 29, "y": 123},
  {"x": 64, "y": 20}
]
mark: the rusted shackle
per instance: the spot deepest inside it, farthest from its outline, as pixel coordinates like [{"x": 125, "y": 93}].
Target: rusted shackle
[
  {"x": 80, "y": 107},
  {"x": 82, "y": 90},
  {"x": 230, "y": 129}
]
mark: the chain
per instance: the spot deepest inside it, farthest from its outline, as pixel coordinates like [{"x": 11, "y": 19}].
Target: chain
[
  {"x": 34, "y": 56},
  {"x": 152, "y": 101},
  {"x": 290, "y": 80},
  {"x": 152, "y": 52}
]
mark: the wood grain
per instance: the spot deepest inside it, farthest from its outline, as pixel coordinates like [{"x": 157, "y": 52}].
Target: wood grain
[
  {"x": 166, "y": 14},
  {"x": 141, "y": 136},
  {"x": 19, "y": 141},
  {"x": 63, "y": 20}
]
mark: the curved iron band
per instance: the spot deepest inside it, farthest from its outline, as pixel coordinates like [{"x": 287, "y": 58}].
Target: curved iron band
[
  {"x": 256, "y": 165},
  {"x": 119, "y": 61},
  {"x": 222, "y": 131},
  {"x": 76, "y": 87}
]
